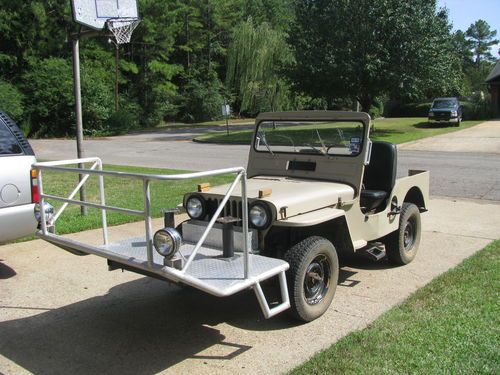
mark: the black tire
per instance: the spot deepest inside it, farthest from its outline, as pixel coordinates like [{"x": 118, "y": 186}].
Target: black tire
[
  {"x": 312, "y": 277},
  {"x": 401, "y": 245},
  {"x": 459, "y": 121}
]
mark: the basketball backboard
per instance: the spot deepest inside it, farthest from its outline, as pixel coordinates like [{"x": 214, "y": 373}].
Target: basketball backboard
[{"x": 95, "y": 13}]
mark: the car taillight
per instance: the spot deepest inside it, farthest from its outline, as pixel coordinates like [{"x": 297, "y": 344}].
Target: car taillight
[{"x": 35, "y": 194}]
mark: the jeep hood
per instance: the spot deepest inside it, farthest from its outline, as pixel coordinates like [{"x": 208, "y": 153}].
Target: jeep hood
[{"x": 297, "y": 195}]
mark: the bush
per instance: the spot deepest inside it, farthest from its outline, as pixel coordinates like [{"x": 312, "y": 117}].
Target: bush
[
  {"x": 395, "y": 108},
  {"x": 477, "y": 109},
  {"x": 377, "y": 109},
  {"x": 11, "y": 100},
  {"x": 49, "y": 85},
  {"x": 121, "y": 122},
  {"x": 202, "y": 100}
]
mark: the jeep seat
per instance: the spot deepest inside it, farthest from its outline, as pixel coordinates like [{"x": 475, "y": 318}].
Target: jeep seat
[{"x": 380, "y": 175}]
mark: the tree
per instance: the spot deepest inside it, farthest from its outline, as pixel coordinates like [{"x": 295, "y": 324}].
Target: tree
[
  {"x": 256, "y": 54},
  {"x": 482, "y": 38},
  {"x": 399, "y": 48},
  {"x": 11, "y": 100}
]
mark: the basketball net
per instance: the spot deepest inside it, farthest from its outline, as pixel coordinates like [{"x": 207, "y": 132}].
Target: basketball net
[{"x": 122, "y": 28}]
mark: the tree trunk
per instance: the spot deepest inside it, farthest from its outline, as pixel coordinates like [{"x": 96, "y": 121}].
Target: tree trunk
[{"x": 366, "y": 103}]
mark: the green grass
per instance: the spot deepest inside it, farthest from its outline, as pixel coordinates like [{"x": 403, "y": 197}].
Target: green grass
[
  {"x": 395, "y": 130},
  {"x": 222, "y": 123},
  {"x": 120, "y": 192},
  {"x": 451, "y": 326}
]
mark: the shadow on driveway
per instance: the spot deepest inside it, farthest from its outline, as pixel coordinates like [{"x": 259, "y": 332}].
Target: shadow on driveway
[{"x": 140, "y": 327}]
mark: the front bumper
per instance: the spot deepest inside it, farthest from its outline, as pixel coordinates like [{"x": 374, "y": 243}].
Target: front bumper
[{"x": 443, "y": 119}]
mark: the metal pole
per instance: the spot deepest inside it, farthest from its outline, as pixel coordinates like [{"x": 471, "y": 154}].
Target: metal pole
[
  {"x": 244, "y": 214},
  {"x": 117, "y": 62},
  {"x": 78, "y": 111},
  {"x": 147, "y": 221}
]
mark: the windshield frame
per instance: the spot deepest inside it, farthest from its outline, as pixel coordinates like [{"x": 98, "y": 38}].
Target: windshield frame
[
  {"x": 453, "y": 103},
  {"x": 363, "y": 136}
]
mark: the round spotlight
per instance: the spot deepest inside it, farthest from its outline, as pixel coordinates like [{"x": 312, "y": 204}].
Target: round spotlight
[
  {"x": 195, "y": 207},
  {"x": 167, "y": 242},
  {"x": 259, "y": 215}
]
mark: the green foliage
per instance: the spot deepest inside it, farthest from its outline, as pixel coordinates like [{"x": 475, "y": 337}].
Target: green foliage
[
  {"x": 398, "y": 48},
  {"x": 481, "y": 38},
  {"x": 48, "y": 84},
  {"x": 255, "y": 56},
  {"x": 397, "y": 109},
  {"x": 377, "y": 109},
  {"x": 11, "y": 100},
  {"x": 202, "y": 100},
  {"x": 187, "y": 57},
  {"x": 121, "y": 122}
]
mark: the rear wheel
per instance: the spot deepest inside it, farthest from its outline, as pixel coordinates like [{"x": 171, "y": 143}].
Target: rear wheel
[
  {"x": 312, "y": 277},
  {"x": 402, "y": 245}
]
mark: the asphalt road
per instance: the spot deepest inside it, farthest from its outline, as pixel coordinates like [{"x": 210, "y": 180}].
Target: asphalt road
[{"x": 472, "y": 174}]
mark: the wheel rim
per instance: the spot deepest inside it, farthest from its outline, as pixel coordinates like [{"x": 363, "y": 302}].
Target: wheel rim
[
  {"x": 409, "y": 234},
  {"x": 317, "y": 279}
]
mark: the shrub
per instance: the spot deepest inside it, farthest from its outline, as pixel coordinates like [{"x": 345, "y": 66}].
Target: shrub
[
  {"x": 121, "y": 122},
  {"x": 397, "y": 109},
  {"x": 11, "y": 100}
]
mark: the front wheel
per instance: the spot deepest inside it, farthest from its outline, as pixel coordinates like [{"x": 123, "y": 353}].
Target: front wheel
[
  {"x": 401, "y": 245},
  {"x": 312, "y": 278}
]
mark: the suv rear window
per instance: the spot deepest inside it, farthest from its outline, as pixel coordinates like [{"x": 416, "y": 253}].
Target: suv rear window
[{"x": 8, "y": 143}]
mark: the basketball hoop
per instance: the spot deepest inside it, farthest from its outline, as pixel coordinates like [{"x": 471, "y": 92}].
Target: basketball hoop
[{"x": 122, "y": 28}]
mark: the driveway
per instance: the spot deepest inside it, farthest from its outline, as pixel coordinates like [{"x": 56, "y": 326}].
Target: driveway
[
  {"x": 483, "y": 138},
  {"x": 62, "y": 314}
]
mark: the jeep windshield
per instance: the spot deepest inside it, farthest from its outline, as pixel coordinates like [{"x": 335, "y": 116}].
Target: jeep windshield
[
  {"x": 343, "y": 138},
  {"x": 445, "y": 103}
]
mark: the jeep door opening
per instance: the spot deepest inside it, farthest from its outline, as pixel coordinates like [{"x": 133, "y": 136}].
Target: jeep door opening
[{"x": 315, "y": 188}]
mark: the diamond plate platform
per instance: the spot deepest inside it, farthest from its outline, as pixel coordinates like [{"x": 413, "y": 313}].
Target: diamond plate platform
[{"x": 226, "y": 276}]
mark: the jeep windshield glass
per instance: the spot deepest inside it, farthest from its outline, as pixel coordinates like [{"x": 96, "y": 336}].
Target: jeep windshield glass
[
  {"x": 439, "y": 104},
  {"x": 310, "y": 137}
]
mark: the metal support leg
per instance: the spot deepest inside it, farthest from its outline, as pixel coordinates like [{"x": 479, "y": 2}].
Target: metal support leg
[{"x": 285, "y": 299}]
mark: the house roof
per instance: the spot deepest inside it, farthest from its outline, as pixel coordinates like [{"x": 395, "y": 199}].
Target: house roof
[{"x": 494, "y": 74}]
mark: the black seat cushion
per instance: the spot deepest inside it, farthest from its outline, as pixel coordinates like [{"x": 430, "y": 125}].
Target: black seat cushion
[
  {"x": 380, "y": 175},
  {"x": 371, "y": 199}
]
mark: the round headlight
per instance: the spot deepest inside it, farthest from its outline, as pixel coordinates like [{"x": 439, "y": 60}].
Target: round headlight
[
  {"x": 195, "y": 207},
  {"x": 259, "y": 215},
  {"x": 167, "y": 242}
]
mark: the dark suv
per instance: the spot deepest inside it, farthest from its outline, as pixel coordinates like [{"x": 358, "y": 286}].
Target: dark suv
[{"x": 446, "y": 110}]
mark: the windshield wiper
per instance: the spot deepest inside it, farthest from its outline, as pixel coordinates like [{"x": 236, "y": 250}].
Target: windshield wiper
[
  {"x": 321, "y": 141},
  {"x": 262, "y": 137}
]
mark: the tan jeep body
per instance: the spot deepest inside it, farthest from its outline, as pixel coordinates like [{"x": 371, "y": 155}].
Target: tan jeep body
[{"x": 323, "y": 202}]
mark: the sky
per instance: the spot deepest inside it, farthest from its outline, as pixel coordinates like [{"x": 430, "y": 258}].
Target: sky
[{"x": 464, "y": 12}]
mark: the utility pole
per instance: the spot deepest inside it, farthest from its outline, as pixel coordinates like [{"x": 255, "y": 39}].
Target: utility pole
[{"x": 78, "y": 110}]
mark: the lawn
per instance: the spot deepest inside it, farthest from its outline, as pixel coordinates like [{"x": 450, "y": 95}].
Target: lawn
[
  {"x": 221, "y": 123},
  {"x": 120, "y": 192},
  {"x": 450, "y": 326},
  {"x": 395, "y": 130}
]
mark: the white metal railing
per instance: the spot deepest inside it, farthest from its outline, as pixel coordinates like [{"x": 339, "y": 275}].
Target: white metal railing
[{"x": 96, "y": 169}]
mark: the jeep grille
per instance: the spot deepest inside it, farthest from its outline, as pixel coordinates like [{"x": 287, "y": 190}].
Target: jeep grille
[{"x": 232, "y": 208}]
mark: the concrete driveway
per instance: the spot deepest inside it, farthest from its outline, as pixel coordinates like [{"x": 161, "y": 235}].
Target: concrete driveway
[
  {"x": 484, "y": 138},
  {"x": 64, "y": 314}
]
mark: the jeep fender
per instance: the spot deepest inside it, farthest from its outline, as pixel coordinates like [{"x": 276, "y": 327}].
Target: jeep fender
[{"x": 329, "y": 222}]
